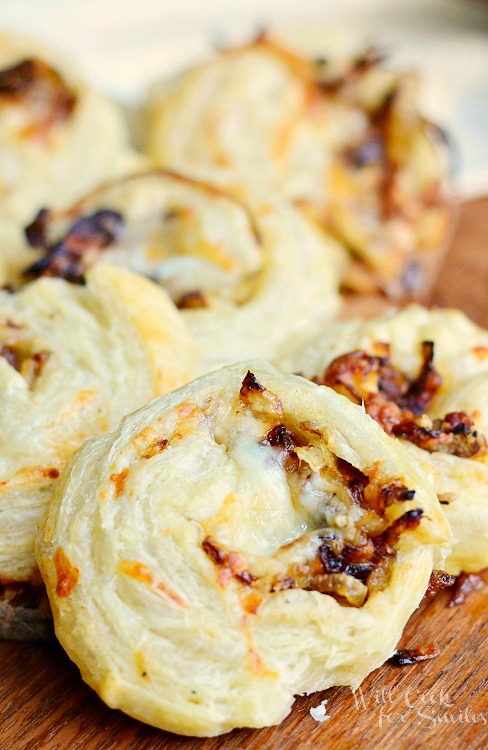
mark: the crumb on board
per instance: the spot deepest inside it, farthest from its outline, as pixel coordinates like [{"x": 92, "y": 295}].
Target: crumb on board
[{"x": 319, "y": 713}]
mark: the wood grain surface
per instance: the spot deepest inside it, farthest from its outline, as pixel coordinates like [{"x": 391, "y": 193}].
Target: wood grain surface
[{"x": 44, "y": 705}]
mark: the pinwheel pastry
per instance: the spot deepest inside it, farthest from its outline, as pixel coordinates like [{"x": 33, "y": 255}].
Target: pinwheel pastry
[
  {"x": 342, "y": 138},
  {"x": 73, "y": 361},
  {"x": 246, "y": 538},
  {"x": 248, "y": 273},
  {"x": 423, "y": 376},
  {"x": 58, "y": 137}
]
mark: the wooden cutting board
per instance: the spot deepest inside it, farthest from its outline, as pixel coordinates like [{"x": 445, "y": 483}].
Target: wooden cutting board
[{"x": 44, "y": 705}]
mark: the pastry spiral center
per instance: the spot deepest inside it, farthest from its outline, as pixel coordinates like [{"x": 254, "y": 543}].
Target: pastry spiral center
[
  {"x": 193, "y": 238},
  {"x": 290, "y": 513}
]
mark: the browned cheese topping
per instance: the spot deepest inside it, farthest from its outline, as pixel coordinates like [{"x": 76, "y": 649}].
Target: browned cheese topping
[
  {"x": 67, "y": 575},
  {"x": 39, "y": 88},
  {"x": 232, "y": 563},
  {"x": 192, "y": 300},
  {"x": 347, "y": 565},
  {"x": 16, "y": 350},
  {"x": 400, "y": 404}
]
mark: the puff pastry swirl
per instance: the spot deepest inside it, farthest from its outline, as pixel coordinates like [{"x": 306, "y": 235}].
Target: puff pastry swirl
[
  {"x": 341, "y": 138},
  {"x": 243, "y": 539},
  {"x": 73, "y": 361},
  {"x": 58, "y": 137},
  {"x": 248, "y": 273},
  {"x": 423, "y": 375}
]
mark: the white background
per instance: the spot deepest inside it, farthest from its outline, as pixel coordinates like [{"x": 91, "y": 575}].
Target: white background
[{"x": 122, "y": 47}]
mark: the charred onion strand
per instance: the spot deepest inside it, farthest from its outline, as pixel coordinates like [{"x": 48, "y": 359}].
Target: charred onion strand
[
  {"x": 438, "y": 581},
  {"x": 41, "y": 90},
  {"x": 408, "y": 656},
  {"x": 344, "y": 569},
  {"x": 70, "y": 257},
  {"x": 399, "y": 404}
]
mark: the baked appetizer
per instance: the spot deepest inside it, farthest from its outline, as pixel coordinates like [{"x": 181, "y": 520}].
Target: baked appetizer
[
  {"x": 249, "y": 274},
  {"x": 73, "y": 361},
  {"x": 341, "y": 138},
  {"x": 246, "y": 538},
  {"x": 58, "y": 137},
  {"x": 423, "y": 376}
]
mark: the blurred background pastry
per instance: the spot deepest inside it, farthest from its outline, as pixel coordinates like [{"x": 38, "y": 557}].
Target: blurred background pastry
[
  {"x": 341, "y": 138},
  {"x": 248, "y": 271},
  {"x": 58, "y": 135}
]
